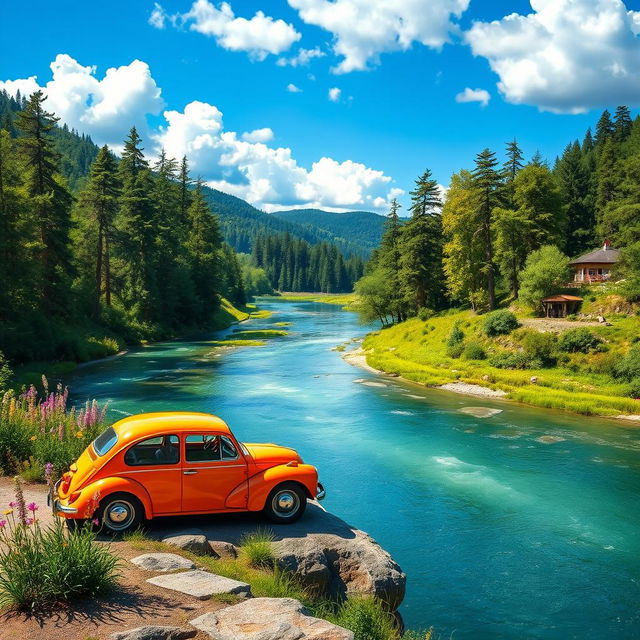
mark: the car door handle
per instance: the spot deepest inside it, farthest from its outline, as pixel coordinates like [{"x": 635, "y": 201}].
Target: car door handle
[{"x": 191, "y": 472}]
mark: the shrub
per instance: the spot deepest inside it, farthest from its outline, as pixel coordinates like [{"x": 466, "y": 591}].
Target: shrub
[
  {"x": 499, "y": 323},
  {"x": 507, "y": 360},
  {"x": 474, "y": 351},
  {"x": 455, "y": 350},
  {"x": 579, "y": 340},
  {"x": 634, "y": 389},
  {"x": 366, "y": 617},
  {"x": 256, "y": 547},
  {"x": 629, "y": 367},
  {"x": 5, "y": 372},
  {"x": 40, "y": 567},
  {"x": 541, "y": 347},
  {"x": 424, "y": 314}
]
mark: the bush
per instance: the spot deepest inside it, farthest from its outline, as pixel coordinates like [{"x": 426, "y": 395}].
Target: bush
[
  {"x": 634, "y": 389},
  {"x": 256, "y": 547},
  {"x": 579, "y": 340},
  {"x": 5, "y": 372},
  {"x": 507, "y": 360},
  {"x": 499, "y": 323},
  {"x": 629, "y": 367},
  {"x": 424, "y": 314},
  {"x": 540, "y": 347},
  {"x": 366, "y": 617},
  {"x": 474, "y": 351},
  {"x": 455, "y": 350},
  {"x": 41, "y": 567}
]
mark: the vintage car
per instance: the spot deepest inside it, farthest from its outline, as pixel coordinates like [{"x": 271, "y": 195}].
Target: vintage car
[{"x": 163, "y": 464}]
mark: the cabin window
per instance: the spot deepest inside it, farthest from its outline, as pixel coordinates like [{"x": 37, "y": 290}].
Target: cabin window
[
  {"x": 203, "y": 448},
  {"x": 154, "y": 451},
  {"x": 105, "y": 441}
]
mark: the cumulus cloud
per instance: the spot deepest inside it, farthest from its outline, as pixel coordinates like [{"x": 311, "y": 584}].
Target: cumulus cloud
[
  {"x": 363, "y": 29},
  {"x": 567, "y": 56},
  {"x": 157, "y": 17},
  {"x": 258, "y": 135},
  {"x": 334, "y": 94},
  {"x": 268, "y": 177},
  {"x": 474, "y": 95},
  {"x": 291, "y": 88},
  {"x": 259, "y": 36},
  {"x": 302, "y": 58},
  {"x": 104, "y": 108}
]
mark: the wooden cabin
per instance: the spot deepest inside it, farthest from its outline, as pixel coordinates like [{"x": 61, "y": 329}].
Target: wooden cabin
[
  {"x": 595, "y": 267},
  {"x": 561, "y": 305}
]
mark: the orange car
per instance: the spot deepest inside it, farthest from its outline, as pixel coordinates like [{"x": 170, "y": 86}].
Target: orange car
[{"x": 162, "y": 464}]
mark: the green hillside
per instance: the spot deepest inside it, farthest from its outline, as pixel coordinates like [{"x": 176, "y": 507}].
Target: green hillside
[{"x": 360, "y": 227}]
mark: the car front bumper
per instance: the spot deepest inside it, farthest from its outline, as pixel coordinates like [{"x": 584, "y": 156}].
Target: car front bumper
[
  {"x": 321, "y": 492},
  {"x": 58, "y": 508}
]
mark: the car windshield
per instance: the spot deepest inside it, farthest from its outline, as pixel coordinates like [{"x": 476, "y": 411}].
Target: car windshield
[{"x": 105, "y": 441}]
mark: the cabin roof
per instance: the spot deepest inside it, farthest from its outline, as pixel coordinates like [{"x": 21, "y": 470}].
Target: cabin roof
[
  {"x": 562, "y": 298},
  {"x": 600, "y": 256}
]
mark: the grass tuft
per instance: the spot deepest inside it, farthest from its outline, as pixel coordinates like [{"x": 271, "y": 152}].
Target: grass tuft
[{"x": 256, "y": 547}]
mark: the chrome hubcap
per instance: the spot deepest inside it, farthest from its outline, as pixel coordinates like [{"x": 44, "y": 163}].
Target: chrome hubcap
[
  {"x": 286, "y": 503},
  {"x": 120, "y": 514}
]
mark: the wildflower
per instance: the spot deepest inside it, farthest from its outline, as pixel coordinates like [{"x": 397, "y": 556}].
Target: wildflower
[
  {"x": 48, "y": 474},
  {"x": 7, "y": 512},
  {"x": 29, "y": 521},
  {"x": 95, "y": 522},
  {"x": 12, "y": 504},
  {"x": 65, "y": 544},
  {"x": 20, "y": 503},
  {"x": 3, "y": 524},
  {"x": 79, "y": 434},
  {"x": 32, "y": 506},
  {"x": 33, "y": 438}
]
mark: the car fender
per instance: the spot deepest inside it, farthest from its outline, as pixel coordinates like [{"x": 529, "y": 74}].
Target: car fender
[
  {"x": 263, "y": 482},
  {"x": 100, "y": 489}
]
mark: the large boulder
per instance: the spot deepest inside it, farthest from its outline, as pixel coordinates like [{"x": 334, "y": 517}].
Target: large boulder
[
  {"x": 268, "y": 619},
  {"x": 192, "y": 540},
  {"x": 338, "y": 565}
]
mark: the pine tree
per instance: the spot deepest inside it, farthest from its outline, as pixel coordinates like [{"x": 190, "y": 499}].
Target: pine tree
[
  {"x": 96, "y": 211},
  {"x": 511, "y": 167},
  {"x": 421, "y": 246},
  {"x": 184, "y": 182},
  {"x": 622, "y": 124},
  {"x": 606, "y": 177},
  {"x": 49, "y": 203},
  {"x": 604, "y": 128},
  {"x": 487, "y": 181}
]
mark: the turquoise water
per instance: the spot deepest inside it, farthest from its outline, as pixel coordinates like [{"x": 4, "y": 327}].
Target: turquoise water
[{"x": 502, "y": 535}]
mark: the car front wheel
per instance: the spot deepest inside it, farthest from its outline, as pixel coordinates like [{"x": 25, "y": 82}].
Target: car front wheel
[
  {"x": 286, "y": 503},
  {"x": 119, "y": 513}
]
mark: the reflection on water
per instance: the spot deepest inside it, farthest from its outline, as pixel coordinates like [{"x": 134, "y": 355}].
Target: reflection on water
[{"x": 519, "y": 525}]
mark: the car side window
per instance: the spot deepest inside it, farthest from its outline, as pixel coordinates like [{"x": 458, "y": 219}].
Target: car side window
[
  {"x": 229, "y": 451},
  {"x": 203, "y": 448},
  {"x": 154, "y": 451}
]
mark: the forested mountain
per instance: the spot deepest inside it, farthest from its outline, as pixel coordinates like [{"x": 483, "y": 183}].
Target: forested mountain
[
  {"x": 360, "y": 227},
  {"x": 507, "y": 228}
]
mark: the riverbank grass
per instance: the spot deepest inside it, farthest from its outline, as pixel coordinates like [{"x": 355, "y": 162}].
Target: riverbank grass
[
  {"x": 530, "y": 367},
  {"x": 348, "y": 301}
]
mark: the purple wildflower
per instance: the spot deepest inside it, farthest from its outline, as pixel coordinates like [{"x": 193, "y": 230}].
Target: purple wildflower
[{"x": 32, "y": 506}]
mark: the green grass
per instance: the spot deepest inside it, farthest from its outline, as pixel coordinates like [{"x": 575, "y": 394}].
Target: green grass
[
  {"x": 417, "y": 350},
  {"x": 260, "y": 334},
  {"x": 345, "y": 300},
  {"x": 227, "y": 314},
  {"x": 237, "y": 343},
  {"x": 256, "y": 547},
  {"x": 282, "y": 324}
]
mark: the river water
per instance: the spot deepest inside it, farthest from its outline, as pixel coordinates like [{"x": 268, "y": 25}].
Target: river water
[{"x": 502, "y": 535}]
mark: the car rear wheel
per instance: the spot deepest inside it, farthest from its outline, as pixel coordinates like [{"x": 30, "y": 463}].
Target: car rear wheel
[
  {"x": 119, "y": 513},
  {"x": 286, "y": 503}
]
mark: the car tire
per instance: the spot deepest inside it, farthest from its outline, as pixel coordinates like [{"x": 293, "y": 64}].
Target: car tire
[
  {"x": 119, "y": 513},
  {"x": 286, "y": 503}
]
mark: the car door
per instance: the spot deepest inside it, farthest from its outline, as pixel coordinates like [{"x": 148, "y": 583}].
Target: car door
[
  {"x": 155, "y": 464},
  {"x": 212, "y": 468}
]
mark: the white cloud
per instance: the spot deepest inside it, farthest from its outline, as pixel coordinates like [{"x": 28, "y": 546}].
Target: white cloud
[
  {"x": 258, "y": 135},
  {"x": 157, "y": 17},
  {"x": 104, "y": 108},
  {"x": 474, "y": 95},
  {"x": 334, "y": 94},
  {"x": 567, "y": 56},
  {"x": 302, "y": 58},
  {"x": 291, "y": 88},
  {"x": 259, "y": 36},
  {"x": 363, "y": 29}
]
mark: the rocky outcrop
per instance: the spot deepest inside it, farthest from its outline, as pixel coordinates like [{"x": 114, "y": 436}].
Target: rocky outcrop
[
  {"x": 338, "y": 565},
  {"x": 268, "y": 619}
]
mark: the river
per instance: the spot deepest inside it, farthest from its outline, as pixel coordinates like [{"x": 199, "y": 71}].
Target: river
[{"x": 502, "y": 535}]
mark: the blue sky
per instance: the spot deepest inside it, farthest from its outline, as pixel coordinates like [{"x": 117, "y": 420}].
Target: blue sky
[{"x": 560, "y": 63}]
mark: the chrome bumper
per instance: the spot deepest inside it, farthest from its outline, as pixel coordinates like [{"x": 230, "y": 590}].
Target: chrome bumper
[
  {"x": 321, "y": 494},
  {"x": 54, "y": 503}
]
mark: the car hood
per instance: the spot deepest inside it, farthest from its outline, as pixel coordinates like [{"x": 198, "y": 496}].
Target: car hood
[{"x": 268, "y": 452}]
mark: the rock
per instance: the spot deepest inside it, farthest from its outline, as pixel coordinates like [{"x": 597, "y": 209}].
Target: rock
[
  {"x": 268, "y": 619},
  {"x": 154, "y": 633},
  {"x": 533, "y": 379},
  {"x": 337, "y": 566},
  {"x": 485, "y": 377},
  {"x": 201, "y": 584},
  {"x": 480, "y": 412},
  {"x": 162, "y": 562},
  {"x": 192, "y": 540},
  {"x": 550, "y": 439},
  {"x": 223, "y": 549},
  {"x": 601, "y": 319}
]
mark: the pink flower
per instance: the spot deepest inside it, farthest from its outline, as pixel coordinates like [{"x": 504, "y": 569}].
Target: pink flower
[
  {"x": 29, "y": 521},
  {"x": 96, "y": 522},
  {"x": 12, "y": 504},
  {"x": 3, "y": 524},
  {"x": 32, "y": 506}
]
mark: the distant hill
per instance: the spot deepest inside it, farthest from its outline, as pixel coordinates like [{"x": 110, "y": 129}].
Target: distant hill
[{"x": 358, "y": 227}]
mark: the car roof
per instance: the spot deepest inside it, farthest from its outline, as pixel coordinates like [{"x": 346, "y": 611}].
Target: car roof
[{"x": 149, "y": 424}]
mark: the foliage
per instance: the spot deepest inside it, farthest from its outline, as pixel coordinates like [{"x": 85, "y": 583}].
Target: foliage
[
  {"x": 256, "y": 547},
  {"x": 546, "y": 270},
  {"x": 455, "y": 341},
  {"x": 540, "y": 347},
  {"x": 40, "y": 429},
  {"x": 5, "y": 372},
  {"x": 634, "y": 388},
  {"x": 425, "y": 313},
  {"x": 629, "y": 367},
  {"x": 579, "y": 340},
  {"x": 510, "y": 360},
  {"x": 501, "y": 322},
  {"x": 365, "y": 617},
  {"x": 43, "y": 566},
  {"x": 474, "y": 351}
]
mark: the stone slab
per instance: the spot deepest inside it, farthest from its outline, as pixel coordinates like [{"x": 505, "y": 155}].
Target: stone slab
[
  {"x": 162, "y": 562},
  {"x": 201, "y": 584}
]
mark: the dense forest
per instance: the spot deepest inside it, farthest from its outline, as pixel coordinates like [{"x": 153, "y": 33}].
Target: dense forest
[{"x": 505, "y": 230}]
